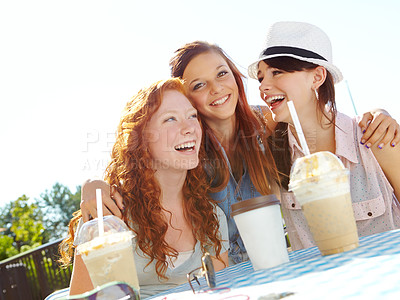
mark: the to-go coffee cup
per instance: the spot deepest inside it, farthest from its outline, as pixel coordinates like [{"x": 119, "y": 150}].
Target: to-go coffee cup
[{"x": 260, "y": 225}]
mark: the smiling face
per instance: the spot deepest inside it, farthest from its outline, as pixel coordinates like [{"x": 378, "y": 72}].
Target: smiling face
[
  {"x": 211, "y": 86},
  {"x": 174, "y": 133},
  {"x": 278, "y": 86}
]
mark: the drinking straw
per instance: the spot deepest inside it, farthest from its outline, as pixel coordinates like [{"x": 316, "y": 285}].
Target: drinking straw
[
  {"x": 351, "y": 98},
  {"x": 99, "y": 202},
  {"x": 299, "y": 130}
]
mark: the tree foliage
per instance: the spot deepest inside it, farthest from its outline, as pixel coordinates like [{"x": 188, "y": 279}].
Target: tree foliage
[
  {"x": 23, "y": 227},
  {"x": 57, "y": 206},
  {"x": 6, "y": 219},
  {"x": 6, "y": 247},
  {"x": 28, "y": 224}
]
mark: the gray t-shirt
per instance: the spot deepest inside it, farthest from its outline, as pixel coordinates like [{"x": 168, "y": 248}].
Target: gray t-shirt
[{"x": 150, "y": 284}]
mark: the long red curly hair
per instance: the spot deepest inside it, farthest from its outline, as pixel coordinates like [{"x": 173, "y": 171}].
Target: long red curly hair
[
  {"x": 131, "y": 174},
  {"x": 251, "y": 142}
]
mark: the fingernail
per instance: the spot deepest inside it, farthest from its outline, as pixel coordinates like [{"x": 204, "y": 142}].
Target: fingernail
[
  {"x": 393, "y": 144},
  {"x": 380, "y": 146},
  {"x": 364, "y": 130},
  {"x": 362, "y": 142},
  {"x": 368, "y": 145}
]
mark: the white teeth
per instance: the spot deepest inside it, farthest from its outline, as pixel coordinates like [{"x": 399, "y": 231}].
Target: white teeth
[
  {"x": 274, "y": 99},
  {"x": 221, "y": 101},
  {"x": 185, "y": 145}
]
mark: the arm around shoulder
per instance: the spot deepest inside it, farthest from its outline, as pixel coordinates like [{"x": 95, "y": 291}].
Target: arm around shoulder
[
  {"x": 112, "y": 200},
  {"x": 389, "y": 160}
]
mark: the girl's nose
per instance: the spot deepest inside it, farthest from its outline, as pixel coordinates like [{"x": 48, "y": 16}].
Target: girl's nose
[
  {"x": 215, "y": 88},
  {"x": 264, "y": 85},
  {"x": 187, "y": 128}
]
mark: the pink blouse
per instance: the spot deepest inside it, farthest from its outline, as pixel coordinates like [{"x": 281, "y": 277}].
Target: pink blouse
[{"x": 375, "y": 206}]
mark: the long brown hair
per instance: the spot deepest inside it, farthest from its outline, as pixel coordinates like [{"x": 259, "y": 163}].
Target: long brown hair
[
  {"x": 131, "y": 173},
  {"x": 251, "y": 140},
  {"x": 326, "y": 100}
]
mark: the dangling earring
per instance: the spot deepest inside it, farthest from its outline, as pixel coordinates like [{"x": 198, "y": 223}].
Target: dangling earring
[{"x": 316, "y": 94}]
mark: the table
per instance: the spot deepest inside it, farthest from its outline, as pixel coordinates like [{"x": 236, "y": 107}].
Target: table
[{"x": 371, "y": 271}]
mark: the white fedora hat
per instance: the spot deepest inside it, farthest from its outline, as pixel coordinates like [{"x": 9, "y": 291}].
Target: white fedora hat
[{"x": 299, "y": 40}]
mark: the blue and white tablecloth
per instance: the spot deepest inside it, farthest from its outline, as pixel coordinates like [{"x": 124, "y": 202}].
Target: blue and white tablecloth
[{"x": 371, "y": 271}]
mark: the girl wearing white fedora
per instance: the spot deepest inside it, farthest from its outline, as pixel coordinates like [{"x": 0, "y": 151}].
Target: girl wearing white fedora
[{"x": 296, "y": 65}]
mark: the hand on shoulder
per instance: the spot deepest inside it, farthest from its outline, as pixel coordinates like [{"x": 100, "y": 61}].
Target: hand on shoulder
[
  {"x": 379, "y": 128},
  {"x": 112, "y": 200}
]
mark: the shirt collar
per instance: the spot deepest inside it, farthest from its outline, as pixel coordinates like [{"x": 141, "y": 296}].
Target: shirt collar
[{"x": 344, "y": 138}]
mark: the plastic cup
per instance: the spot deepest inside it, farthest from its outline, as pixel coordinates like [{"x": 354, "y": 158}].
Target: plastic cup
[
  {"x": 108, "y": 257},
  {"x": 321, "y": 185},
  {"x": 260, "y": 225}
]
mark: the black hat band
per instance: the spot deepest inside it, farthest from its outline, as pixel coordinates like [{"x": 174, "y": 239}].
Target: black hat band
[{"x": 291, "y": 50}]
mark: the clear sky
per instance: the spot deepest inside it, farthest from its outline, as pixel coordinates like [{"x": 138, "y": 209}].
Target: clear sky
[{"x": 67, "y": 68}]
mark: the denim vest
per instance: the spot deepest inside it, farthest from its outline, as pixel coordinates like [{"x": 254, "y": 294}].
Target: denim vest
[{"x": 232, "y": 193}]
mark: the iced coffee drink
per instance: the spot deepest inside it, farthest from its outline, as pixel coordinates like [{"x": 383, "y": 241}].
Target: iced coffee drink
[
  {"x": 321, "y": 185},
  {"x": 109, "y": 257}
]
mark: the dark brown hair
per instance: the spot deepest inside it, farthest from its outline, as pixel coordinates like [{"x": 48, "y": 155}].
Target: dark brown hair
[
  {"x": 251, "y": 129},
  {"x": 326, "y": 98}
]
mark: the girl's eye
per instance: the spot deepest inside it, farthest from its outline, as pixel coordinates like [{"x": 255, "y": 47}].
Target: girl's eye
[
  {"x": 276, "y": 72},
  {"x": 193, "y": 116},
  {"x": 197, "y": 86},
  {"x": 170, "y": 119},
  {"x": 222, "y": 73}
]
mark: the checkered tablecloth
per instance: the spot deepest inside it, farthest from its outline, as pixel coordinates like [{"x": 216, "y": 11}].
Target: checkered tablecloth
[{"x": 371, "y": 271}]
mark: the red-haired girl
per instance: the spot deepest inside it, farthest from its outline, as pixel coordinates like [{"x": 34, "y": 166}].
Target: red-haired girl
[{"x": 155, "y": 167}]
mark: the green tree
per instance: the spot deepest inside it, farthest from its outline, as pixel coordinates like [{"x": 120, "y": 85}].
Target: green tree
[
  {"x": 7, "y": 237},
  {"x": 6, "y": 247},
  {"x": 57, "y": 206},
  {"x": 6, "y": 219},
  {"x": 23, "y": 227},
  {"x": 27, "y": 224}
]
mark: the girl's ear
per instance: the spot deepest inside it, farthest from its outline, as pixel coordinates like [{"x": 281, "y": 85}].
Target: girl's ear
[{"x": 319, "y": 77}]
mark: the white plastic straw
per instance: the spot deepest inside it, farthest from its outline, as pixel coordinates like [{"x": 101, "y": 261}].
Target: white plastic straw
[
  {"x": 299, "y": 130},
  {"x": 99, "y": 202}
]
